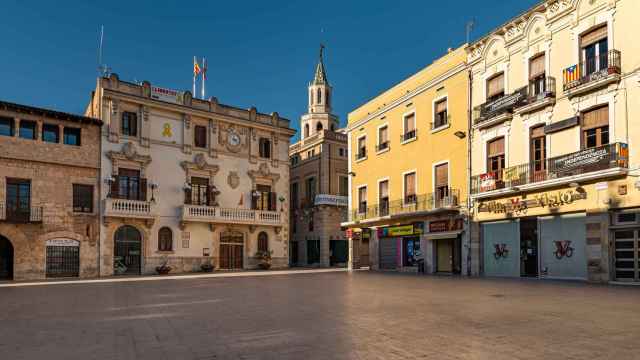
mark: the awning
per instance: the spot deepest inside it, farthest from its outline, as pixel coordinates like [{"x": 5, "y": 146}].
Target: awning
[{"x": 443, "y": 235}]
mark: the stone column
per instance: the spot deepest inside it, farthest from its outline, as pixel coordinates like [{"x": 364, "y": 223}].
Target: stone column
[{"x": 16, "y": 132}]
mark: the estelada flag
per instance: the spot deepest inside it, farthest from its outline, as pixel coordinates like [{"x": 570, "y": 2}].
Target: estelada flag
[{"x": 196, "y": 67}]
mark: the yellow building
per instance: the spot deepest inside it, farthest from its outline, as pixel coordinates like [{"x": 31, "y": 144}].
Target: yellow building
[
  {"x": 554, "y": 167},
  {"x": 408, "y": 172}
]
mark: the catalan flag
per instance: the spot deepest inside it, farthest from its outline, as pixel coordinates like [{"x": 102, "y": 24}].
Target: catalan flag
[
  {"x": 571, "y": 74},
  {"x": 196, "y": 67}
]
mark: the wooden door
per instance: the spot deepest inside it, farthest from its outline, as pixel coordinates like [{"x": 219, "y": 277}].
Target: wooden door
[
  {"x": 445, "y": 255},
  {"x": 231, "y": 256}
]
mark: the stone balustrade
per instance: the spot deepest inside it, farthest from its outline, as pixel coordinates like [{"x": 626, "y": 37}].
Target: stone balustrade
[
  {"x": 213, "y": 214},
  {"x": 128, "y": 208}
]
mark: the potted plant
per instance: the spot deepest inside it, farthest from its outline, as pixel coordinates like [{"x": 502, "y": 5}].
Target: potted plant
[
  {"x": 163, "y": 269},
  {"x": 206, "y": 267},
  {"x": 265, "y": 259}
]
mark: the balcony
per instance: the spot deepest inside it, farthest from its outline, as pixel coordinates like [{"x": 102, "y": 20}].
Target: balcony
[
  {"x": 32, "y": 214},
  {"x": 332, "y": 200},
  {"x": 219, "y": 215},
  {"x": 125, "y": 208},
  {"x": 604, "y": 161},
  {"x": 409, "y": 135},
  {"x": 361, "y": 154},
  {"x": 410, "y": 206},
  {"x": 540, "y": 94},
  {"x": 592, "y": 73},
  {"x": 383, "y": 146}
]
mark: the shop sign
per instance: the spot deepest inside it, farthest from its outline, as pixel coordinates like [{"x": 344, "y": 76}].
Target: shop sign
[
  {"x": 445, "y": 225},
  {"x": 402, "y": 230},
  {"x": 63, "y": 242},
  {"x": 167, "y": 95},
  {"x": 487, "y": 182},
  {"x": 511, "y": 174},
  {"x": 366, "y": 233},
  {"x": 349, "y": 233},
  {"x": 520, "y": 206}
]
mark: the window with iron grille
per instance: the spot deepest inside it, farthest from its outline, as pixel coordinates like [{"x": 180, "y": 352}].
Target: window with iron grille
[
  {"x": 129, "y": 123},
  {"x": 200, "y": 136},
  {"x": 82, "y": 198},
  {"x": 165, "y": 239},
  {"x": 265, "y": 148},
  {"x": 440, "y": 114}
]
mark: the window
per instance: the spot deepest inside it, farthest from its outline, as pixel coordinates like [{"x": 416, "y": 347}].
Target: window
[
  {"x": 165, "y": 239},
  {"x": 362, "y": 148},
  {"x": 442, "y": 181},
  {"x": 410, "y": 188},
  {"x": 265, "y": 199},
  {"x": 319, "y": 97},
  {"x": 82, "y": 198},
  {"x": 265, "y": 148},
  {"x": 495, "y": 157},
  {"x": 200, "y": 136},
  {"x": 129, "y": 185},
  {"x": 71, "y": 136},
  {"x": 310, "y": 190},
  {"x": 595, "y": 127},
  {"x": 306, "y": 130},
  {"x": 537, "y": 84},
  {"x": 440, "y": 113},
  {"x": 409, "y": 127},
  {"x": 6, "y": 126},
  {"x": 319, "y": 127},
  {"x": 495, "y": 87},
  {"x": 326, "y": 98},
  {"x": 362, "y": 200},
  {"x": 199, "y": 191},
  {"x": 383, "y": 197},
  {"x": 383, "y": 138},
  {"x": 538, "y": 155},
  {"x": 594, "y": 51},
  {"x": 129, "y": 123},
  {"x": 18, "y": 198},
  {"x": 50, "y": 133},
  {"x": 341, "y": 151},
  {"x": 344, "y": 186},
  {"x": 28, "y": 129},
  {"x": 294, "y": 195},
  {"x": 263, "y": 242}
]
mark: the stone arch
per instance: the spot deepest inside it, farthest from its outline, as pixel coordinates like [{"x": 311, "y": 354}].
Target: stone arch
[
  {"x": 106, "y": 267},
  {"x": 306, "y": 130},
  {"x": 62, "y": 234},
  {"x": 6, "y": 259},
  {"x": 530, "y": 27},
  {"x": 319, "y": 126},
  {"x": 25, "y": 254},
  {"x": 495, "y": 43}
]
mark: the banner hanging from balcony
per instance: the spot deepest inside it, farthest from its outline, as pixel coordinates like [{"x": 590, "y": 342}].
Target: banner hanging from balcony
[
  {"x": 589, "y": 159},
  {"x": 504, "y": 104}
]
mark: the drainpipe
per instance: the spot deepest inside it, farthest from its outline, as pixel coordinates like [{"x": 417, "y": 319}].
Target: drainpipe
[{"x": 469, "y": 132}]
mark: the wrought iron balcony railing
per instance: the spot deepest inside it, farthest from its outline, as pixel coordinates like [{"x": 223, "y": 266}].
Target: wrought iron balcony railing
[
  {"x": 591, "y": 70},
  {"x": 581, "y": 162},
  {"x": 362, "y": 153},
  {"x": 407, "y": 206},
  {"x": 409, "y": 135},
  {"x": 382, "y": 146}
]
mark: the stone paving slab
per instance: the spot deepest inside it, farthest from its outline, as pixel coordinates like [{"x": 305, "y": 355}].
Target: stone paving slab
[{"x": 337, "y": 315}]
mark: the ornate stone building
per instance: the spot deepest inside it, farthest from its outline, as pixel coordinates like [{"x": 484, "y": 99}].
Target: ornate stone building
[
  {"x": 49, "y": 186},
  {"x": 319, "y": 183},
  {"x": 188, "y": 181}
]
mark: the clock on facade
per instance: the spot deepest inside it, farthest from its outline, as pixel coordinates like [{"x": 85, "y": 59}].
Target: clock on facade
[{"x": 234, "y": 142}]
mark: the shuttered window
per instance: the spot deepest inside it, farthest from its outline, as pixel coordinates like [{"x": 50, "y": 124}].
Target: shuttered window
[
  {"x": 200, "y": 136},
  {"x": 384, "y": 190},
  {"x": 165, "y": 239},
  {"x": 442, "y": 175},
  {"x": 383, "y": 135},
  {"x": 409, "y": 123},
  {"x": 263, "y": 242},
  {"x": 362, "y": 199},
  {"x": 536, "y": 66},
  {"x": 410, "y": 188},
  {"x": 593, "y": 36},
  {"x": 595, "y": 118},
  {"x": 495, "y": 86},
  {"x": 440, "y": 115},
  {"x": 496, "y": 147},
  {"x": 595, "y": 127},
  {"x": 496, "y": 157}
]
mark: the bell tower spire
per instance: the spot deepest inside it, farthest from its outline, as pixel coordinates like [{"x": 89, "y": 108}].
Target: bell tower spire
[{"x": 319, "y": 115}]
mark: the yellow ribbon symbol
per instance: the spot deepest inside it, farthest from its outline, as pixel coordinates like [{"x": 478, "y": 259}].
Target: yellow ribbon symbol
[{"x": 167, "y": 130}]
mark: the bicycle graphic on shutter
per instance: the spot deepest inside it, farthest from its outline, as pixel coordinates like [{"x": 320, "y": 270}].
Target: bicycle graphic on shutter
[{"x": 563, "y": 249}]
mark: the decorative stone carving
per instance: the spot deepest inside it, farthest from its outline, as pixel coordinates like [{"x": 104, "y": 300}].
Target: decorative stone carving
[
  {"x": 199, "y": 164},
  {"x": 233, "y": 179},
  {"x": 252, "y": 228},
  {"x": 263, "y": 172},
  {"x": 128, "y": 153}
]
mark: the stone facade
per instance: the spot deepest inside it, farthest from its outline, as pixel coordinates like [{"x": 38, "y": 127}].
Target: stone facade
[
  {"x": 51, "y": 170},
  {"x": 318, "y": 167},
  {"x": 197, "y": 166}
]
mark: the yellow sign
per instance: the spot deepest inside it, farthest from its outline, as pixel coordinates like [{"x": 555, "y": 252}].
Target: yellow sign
[
  {"x": 166, "y": 132},
  {"x": 510, "y": 174},
  {"x": 401, "y": 230}
]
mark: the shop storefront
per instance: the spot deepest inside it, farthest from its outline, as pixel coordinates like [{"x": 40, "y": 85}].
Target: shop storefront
[
  {"x": 544, "y": 236},
  {"x": 443, "y": 248},
  {"x": 625, "y": 230},
  {"x": 399, "y": 246}
]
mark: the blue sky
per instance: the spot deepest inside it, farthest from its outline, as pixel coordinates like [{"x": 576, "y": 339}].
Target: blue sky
[{"x": 260, "y": 53}]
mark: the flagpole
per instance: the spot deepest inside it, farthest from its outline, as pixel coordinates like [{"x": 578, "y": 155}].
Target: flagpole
[
  {"x": 194, "y": 76},
  {"x": 204, "y": 74}
]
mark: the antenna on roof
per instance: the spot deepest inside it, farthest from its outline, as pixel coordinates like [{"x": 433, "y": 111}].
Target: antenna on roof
[
  {"x": 469, "y": 28},
  {"x": 103, "y": 70}
]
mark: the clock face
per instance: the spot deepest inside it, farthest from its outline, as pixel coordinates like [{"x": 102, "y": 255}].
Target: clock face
[{"x": 234, "y": 139}]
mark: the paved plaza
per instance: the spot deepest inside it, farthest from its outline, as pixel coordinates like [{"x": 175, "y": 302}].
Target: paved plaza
[{"x": 361, "y": 315}]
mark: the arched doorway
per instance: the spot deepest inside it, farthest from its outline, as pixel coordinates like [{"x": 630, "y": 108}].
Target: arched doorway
[
  {"x": 6, "y": 259},
  {"x": 127, "y": 255}
]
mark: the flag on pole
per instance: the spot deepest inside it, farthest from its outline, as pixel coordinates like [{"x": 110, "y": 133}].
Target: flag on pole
[
  {"x": 204, "y": 74},
  {"x": 196, "y": 72}
]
